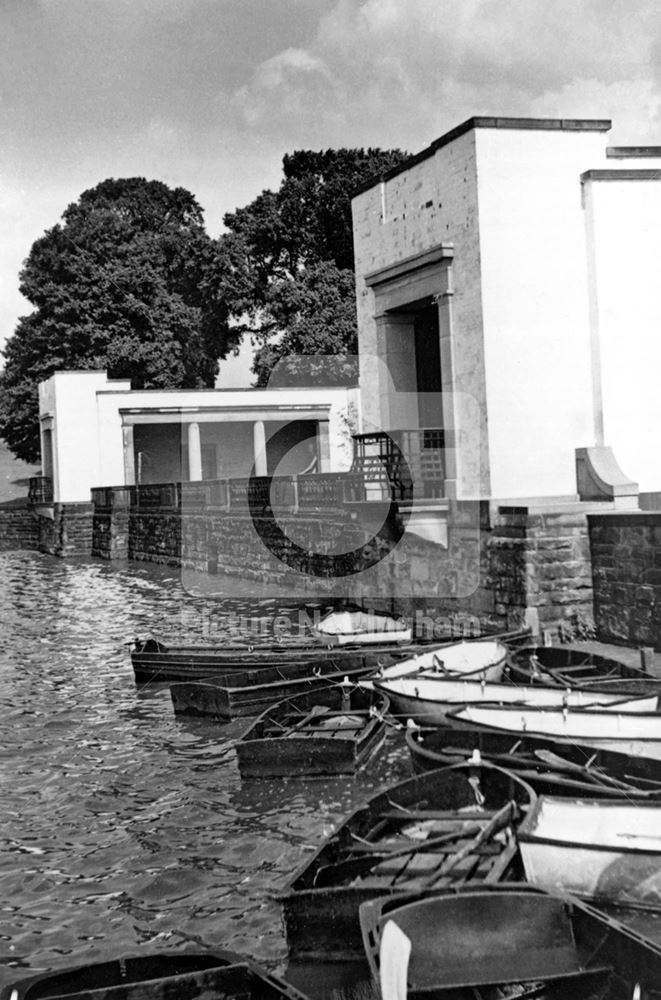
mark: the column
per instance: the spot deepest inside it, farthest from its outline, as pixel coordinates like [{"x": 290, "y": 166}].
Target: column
[
  {"x": 194, "y": 453},
  {"x": 129, "y": 455},
  {"x": 259, "y": 448},
  {"x": 323, "y": 446}
]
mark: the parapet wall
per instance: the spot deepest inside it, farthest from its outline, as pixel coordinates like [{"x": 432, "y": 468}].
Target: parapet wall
[{"x": 626, "y": 569}]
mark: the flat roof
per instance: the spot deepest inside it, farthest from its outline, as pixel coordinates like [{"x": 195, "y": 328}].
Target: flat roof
[
  {"x": 632, "y": 152},
  {"x": 533, "y": 124}
]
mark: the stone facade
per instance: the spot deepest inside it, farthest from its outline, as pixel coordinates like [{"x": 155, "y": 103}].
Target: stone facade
[
  {"x": 626, "y": 567},
  {"x": 68, "y": 532},
  {"x": 19, "y": 528}
]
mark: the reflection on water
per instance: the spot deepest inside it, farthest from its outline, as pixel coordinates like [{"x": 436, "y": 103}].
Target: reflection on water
[{"x": 122, "y": 825}]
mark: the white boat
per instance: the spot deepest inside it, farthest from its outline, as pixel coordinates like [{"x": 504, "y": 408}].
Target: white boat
[
  {"x": 636, "y": 733},
  {"x": 343, "y": 628},
  {"x": 426, "y": 699},
  {"x": 597, "y": 848},
  {"x": 481, "y": 659}
]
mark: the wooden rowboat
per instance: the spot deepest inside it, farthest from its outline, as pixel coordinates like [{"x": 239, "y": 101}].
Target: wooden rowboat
[
  {"x": 637, "y": 734},
  {"x": 442, "y": 828},
  {"x": 361, "y": 627},
  {"x": 426, "y": 698},
  {"x": 480, "y": 660},
  {"x": 154, "y": 660},
  {"x": 330, "y": 730},
  {"x": 606, "y": 850},
  {"x": 505, "y": 941},
  {"x": 550, "y": 768},
  {"x": 568, "y": 666},
  {"x": 157, "y": 977},
  {"x": 230, "y": 696}
]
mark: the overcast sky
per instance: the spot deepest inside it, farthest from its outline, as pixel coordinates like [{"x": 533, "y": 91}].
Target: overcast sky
[{"x": 209, "y": 94}]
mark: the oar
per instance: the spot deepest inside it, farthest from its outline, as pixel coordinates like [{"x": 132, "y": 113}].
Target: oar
[
  {"x": 500, "y": 819},
  {"x": 357, "y": 866},
  {"x": 600, "y": 777}
]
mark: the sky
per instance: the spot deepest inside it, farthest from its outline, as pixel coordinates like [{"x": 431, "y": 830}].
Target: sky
[{"x": 210, "y": 94}]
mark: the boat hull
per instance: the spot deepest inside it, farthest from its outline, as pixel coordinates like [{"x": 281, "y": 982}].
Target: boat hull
[
  {"x": 634, "y": 734},
  {"x": 482, "y": 660},
  {"x": 434, "y": 748},
  {"x": 614, "y": 854},
  {"x": 501, "y": 937},
  {"x": 334, "y": 740},
  {"x": 320, "y": 906},
  {"x": 428, "y": 700},
  {"x": 157, "y": 977},
  {"x": 567, "y": 665}
]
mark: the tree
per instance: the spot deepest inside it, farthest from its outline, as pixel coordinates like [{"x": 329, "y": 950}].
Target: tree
[
  {"x": 128, "y": 282},
  {"x": 290, "y": 283}
]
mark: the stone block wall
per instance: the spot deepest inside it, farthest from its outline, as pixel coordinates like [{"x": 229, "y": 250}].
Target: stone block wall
[
  {"x": 19, "y": 528},
  {"x": 626, "y": 568},
  {"x": 68, "y": 532}
]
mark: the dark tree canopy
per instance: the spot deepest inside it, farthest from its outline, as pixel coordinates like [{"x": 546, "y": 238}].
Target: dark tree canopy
[
  {"x": 128, "y": 282},
  {"x": 291, "y": 280}
]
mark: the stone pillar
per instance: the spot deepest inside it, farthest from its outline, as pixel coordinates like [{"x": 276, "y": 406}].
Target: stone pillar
[
  {"x": 129, "y": 455},
  {"x": 194, "y": 453},
  {"x": 259, "y": 448},
  {"x": 451, "y": 417},
  {"x": 323, "y": 446}
]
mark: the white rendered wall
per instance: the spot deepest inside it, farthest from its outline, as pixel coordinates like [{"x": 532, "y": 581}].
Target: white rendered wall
[
  {"x": 88, "y": 448},
  {"x": 623, "y": 220},
  {"x": 535, "y": 305}
]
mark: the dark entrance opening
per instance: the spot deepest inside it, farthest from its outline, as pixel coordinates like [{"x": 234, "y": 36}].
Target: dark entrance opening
[{"x": 428, "y": 366}]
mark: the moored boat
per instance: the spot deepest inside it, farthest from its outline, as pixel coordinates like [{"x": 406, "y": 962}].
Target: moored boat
[
  {"x": 426, "y": 698},
  {"x": 550, "y": 768},
  {"x": 568, "y": 666},
  {"x": 157, "y": 977},
  {"x": 606, "y": 850},
  {"x": 362, "y": 628},
  {"x": 230, "y": 696},
  {"x": 637, "y": 734},
  {"x": 479, "y": 659},
  {"x": 442, "y": 828},
  {"x": 154, "y": 661},
  {"x": 330, "y": 730},
  {"x": 505, "y": 941}
]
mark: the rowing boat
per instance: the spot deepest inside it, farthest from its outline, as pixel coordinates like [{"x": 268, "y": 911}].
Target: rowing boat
[
  {"x": 362, "y": 627},
  {"x": 442, "y": 828},
  {"x": 479, "y": 660},
  {"x": 637, "y": 734},
  {"x": 550, "y": 768},
  {"x": 162, "y": 976},
  {"x": 331, "y": 730},
  {"x": 250, "y": 692},
  {"x": 606, "y": 850},
  {"x": 505, "y": 941},
  {"x": 426, "y": 698},
  {"x": 153, "y": 661},
  {"x": 568, "y": 666}
]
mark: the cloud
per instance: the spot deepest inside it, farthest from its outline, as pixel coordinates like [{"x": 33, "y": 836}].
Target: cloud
[{"x": 399, "y": 72}]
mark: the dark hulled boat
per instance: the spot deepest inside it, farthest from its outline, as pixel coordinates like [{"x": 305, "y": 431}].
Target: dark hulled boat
[
  {"x": 551, "y": 768},
  {"x": 331, "y": 730},
  {"x": 507, "y": 941},
  {"x": 572, "y": 667},
  {"x": 222, "y": 975},
  {"x": 442, "y": 828},
  {"x": 250, "y": 692}
]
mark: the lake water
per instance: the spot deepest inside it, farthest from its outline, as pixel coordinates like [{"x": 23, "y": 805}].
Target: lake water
[{"x": 123, "y": 827}]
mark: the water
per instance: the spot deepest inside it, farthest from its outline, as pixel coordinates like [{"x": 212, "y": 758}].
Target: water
[{"x": 123, "y": 827}]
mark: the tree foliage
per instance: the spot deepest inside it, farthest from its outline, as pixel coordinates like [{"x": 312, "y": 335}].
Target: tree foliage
[
  {"x": 128, "y": 282},
  {"x": 291, "y": 280}
]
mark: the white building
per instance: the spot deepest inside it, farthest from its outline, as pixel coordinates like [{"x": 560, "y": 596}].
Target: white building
[
  {"x": 98, "y": 432},
  {"x": 506, "y": 288}
]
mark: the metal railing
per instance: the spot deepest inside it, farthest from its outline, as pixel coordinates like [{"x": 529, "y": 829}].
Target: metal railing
[
  {"x": 40, "y": 489},
  {"x": 403, "y": 464}
]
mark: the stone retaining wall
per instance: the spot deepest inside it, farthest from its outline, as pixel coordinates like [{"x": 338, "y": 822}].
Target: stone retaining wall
[
  {"x": 68, "y": 532},
  {"x": 626, "y": 568},
  {"x": 19, "y": 527}
]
